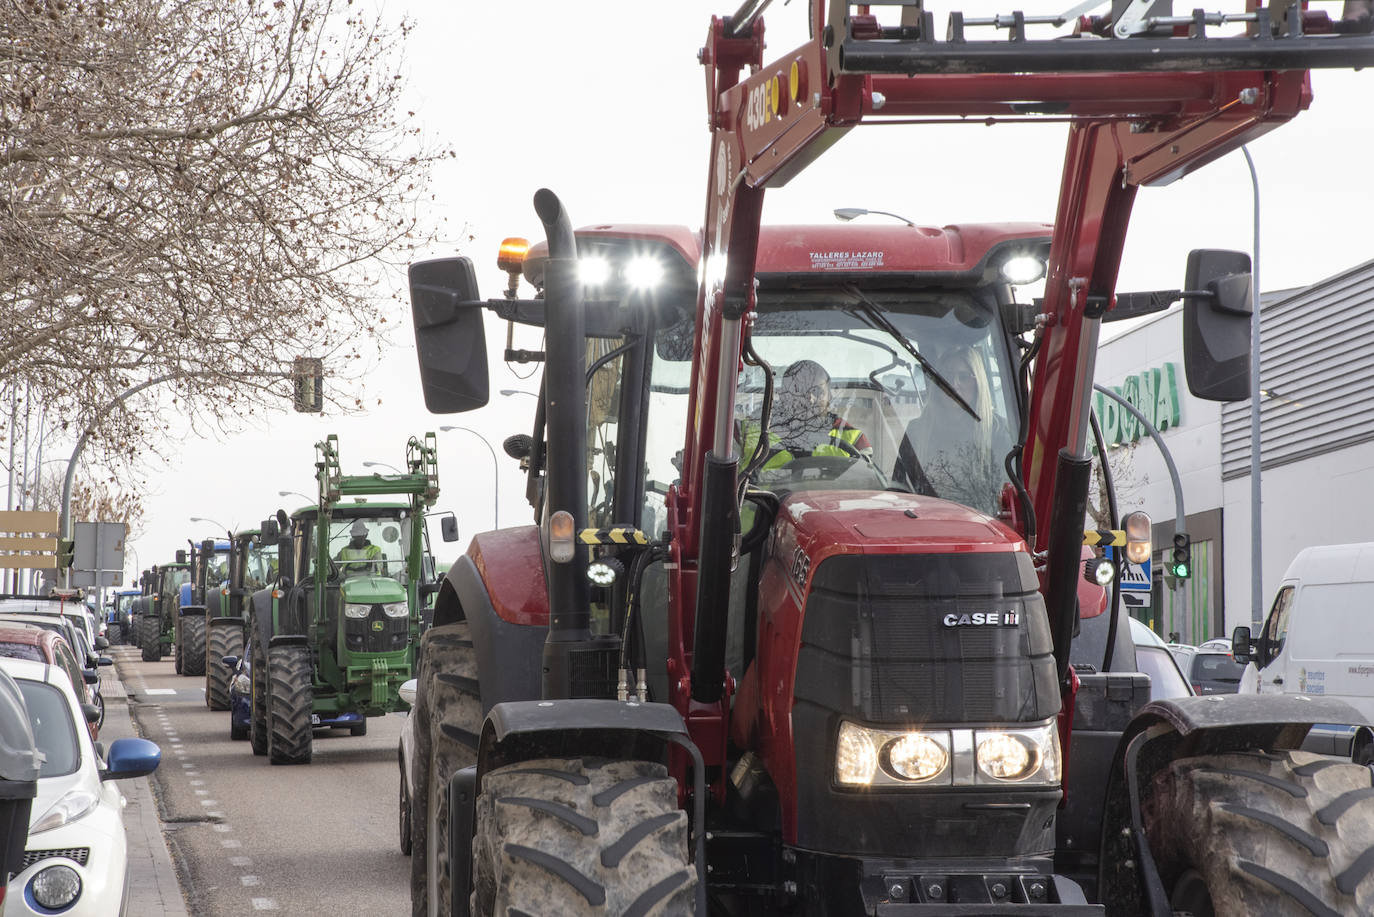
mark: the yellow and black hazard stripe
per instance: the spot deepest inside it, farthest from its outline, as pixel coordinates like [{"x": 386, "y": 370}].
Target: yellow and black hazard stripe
[
  {"x": 624, "y": 535},
  {"x": 1104, "y": 538}
]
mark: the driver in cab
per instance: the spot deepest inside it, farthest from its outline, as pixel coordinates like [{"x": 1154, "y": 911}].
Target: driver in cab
[
  {"x": 802, "y": 423},
  {"x": 360, "y": 557}
]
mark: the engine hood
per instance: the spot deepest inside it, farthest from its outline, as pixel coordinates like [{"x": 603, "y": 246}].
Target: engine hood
[
  {"x": 371, "y": 590},
  {"x": 823, "y": 523}
]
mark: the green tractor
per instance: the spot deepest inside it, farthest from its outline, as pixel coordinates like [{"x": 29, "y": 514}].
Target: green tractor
[
  {"x": 156, "y": 609},
  {"x": 332, "y": 643},
  {"x": 252, "y": 564}
]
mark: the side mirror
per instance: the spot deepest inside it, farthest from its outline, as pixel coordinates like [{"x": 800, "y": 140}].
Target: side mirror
[
  {"x": 181, "y": 557},
  {"x": 101, "y": 643},
  {"x": 231, "y": 662},
  {"x": 428, "y": 589},
  {"x": 105, "y": 660},
  {"x": 91, "y": 712},
  {"x": 448, "y": 527},
  {"x": 1242, "y": 649},
  {"x": 1217, "y": 316},
  {"x": 269, "y": 530},
  {"x": 90, "y": 676},
  {"x": 449, "y": 341},
  {"x": 407, "y": 690},
  {"x": 131, "y": 758}
]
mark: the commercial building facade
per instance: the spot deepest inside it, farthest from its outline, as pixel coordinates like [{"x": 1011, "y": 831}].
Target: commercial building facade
[{"x": 1317, "y": 448}]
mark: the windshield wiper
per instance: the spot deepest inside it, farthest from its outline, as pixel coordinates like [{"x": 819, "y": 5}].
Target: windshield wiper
[{"x": 878, "y": 316}]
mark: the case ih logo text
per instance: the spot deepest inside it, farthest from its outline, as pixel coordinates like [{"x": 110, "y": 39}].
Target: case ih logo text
[{"x": 983, "y": 619}]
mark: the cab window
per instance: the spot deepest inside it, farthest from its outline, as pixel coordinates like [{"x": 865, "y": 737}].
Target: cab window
[{"x": 1276, "y": 626}]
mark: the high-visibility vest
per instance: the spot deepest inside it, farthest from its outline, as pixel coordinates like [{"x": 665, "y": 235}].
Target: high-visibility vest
[
  {"x": 840, "y": 431},
  {"x": 360, "y": 557}
]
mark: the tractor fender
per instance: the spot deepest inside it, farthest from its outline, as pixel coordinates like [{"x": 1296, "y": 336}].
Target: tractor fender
[
  {"x": 191, "y": 611},
  {"x": 1167, "y": 730},
  {"x": 225, "y": 619},
  {"x": 289, "y": 640},
  {"x": 509, "y": 655}
]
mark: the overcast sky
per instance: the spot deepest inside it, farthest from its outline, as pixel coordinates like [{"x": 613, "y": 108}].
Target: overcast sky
[{"x": 605, "y": 104}]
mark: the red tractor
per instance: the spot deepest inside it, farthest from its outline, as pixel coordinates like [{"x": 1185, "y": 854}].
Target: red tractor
[{"x": 794, "y": 629}]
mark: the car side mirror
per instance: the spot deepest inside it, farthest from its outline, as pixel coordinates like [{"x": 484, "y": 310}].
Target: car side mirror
[
  {"x": 448, "y": 527},
  {"x": 1242, "y": 648},
  {"x": 131, "y": 758},
  {"x": 104, "y": 660},
  {"x": 101, "y": 643},
  {"x": 231, "y": 662},
  {"x": 91, "y": 712},
  {"x": 90, "y": 676}
]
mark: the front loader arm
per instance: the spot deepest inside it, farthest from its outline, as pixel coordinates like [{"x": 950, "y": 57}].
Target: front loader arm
[{"x": 1142, "y": 110}]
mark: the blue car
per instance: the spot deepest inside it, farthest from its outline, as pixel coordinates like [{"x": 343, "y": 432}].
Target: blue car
[{"x": 241, "y": 704}]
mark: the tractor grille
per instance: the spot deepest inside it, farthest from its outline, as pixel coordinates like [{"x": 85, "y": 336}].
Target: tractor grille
[
  {"x": 377, "y": 633},
  {"x": 891, "y": 640},
  {"x": 79, "y": 854},
  {"x": 877, "y": 643}
]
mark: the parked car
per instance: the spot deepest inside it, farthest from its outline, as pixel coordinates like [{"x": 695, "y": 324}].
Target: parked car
[
  {"x": 36, "y": 643},
  {"x": 1318, "y": 639},
  {"x": 76, "y": 639},
  {"x": 1152, "y": 657},
  {"x": 76, "y": 857},
  {"x": 240, "y": 693}
]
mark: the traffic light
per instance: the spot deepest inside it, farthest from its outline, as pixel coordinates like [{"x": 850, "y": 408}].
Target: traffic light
[{"x": 1180, "y": 565}]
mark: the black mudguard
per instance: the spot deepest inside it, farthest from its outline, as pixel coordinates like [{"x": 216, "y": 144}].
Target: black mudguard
[
  {"x": 191, "y": 611},
  {"x": 1167, "y": 730},
  {"x": 508, "y": 655}
]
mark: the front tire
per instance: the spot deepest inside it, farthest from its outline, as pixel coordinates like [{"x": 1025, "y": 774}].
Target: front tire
[
  {"x": 359, "y": 729},
  {"x": 1285, "y": 833},
  {"x": 403, "y": 805},
  {"x": 150, "y": 637},
  {"x": 193, "y": 643},
  {"x": 257, "y": 716},
  {"x": 605, "y": 837},
  {"x": 289, "y": 700},
  {"x": 225, "y": 639},
  {"x": 448, "y": 721}
]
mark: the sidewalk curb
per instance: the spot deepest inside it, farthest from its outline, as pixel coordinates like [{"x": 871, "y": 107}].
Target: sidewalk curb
[{"x": 153, "y": 887}]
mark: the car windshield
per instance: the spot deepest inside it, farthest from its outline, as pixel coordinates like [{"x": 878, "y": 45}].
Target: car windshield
[
  {"x": 1165, "y": 679},
  {"x": 855, "y": 406},
  {"x": 370, "y": 545},
  {"x": 21, "y": 651},
  {"x": 53, "y": 729}
]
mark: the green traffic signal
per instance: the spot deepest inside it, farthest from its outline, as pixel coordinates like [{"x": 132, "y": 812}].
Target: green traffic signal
[{"x": 1181, "y": 564}]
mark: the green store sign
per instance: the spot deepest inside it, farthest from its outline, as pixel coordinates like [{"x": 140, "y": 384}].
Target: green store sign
[{"x": 1153, "y": 393}]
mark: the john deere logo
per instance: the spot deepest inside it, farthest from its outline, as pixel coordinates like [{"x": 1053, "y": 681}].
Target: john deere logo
[{"x": 377, "y": 625}]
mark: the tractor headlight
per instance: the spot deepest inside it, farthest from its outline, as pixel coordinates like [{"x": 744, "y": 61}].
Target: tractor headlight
[
  {"x": 1019, "y": 755},
  {"x": 356, "y": 610},
  {"x": 396, "y": 609},
  {"x": 917, "y": 757},
  {"x": 1023, "y": 269},
  {"x": 644, "y": 272},
  {"x": 856, "y": 756},
  {"x": 56, "y": 887}
]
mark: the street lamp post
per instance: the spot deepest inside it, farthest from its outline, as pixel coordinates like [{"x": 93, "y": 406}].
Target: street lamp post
[
  {"x": 295, "y": 493},
  {"x": 495, "y": 473},
  {"x": 228, "y": 531},
  {"x": 382, "y": 465}
]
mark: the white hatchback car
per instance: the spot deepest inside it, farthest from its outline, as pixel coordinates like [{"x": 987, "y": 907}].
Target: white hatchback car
[{"x": 76, "y": 857}]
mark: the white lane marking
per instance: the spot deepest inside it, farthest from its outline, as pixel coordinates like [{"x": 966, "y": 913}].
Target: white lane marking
[
  {"x": 264, "y": 904},
  {"x": 209, "y": 802},
  {"x": 250, "y": 880},
  {"x": 222, "y": 828},
  {"x": 202, "y": 792},
  {"x": 240, "y": 861},
  {"x": 197, "y": 783},
  {"x": 230, "y": 843},
  {"x": 159, "y": 690},
  {"x": 215, "y": 814}
]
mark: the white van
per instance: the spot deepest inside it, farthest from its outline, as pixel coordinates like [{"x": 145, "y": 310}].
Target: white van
[{"x": 1319, "y": 640}]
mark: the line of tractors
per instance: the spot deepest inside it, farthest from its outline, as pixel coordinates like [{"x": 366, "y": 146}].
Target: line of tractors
[{"x": 310, "y": 620}]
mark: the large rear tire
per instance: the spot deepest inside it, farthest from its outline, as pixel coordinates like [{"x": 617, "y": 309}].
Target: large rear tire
[
  {"x": 257, "y": 716},
  {"x": 150, "y": 637},
  {"x": 225, "y": 639},
  {"x": 289, "y": 699},
  {"x": 448, "y": 721},
  {"x": 193, "y": 643},
  {"x": 1279, "y": 834},
  {"x": 602, "y": 838}
]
